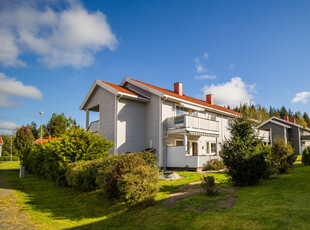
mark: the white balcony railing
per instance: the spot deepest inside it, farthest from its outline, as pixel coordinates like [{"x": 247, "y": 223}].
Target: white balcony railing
[
  {"x": 177, "y": 158},
  {"x": 189, "y": 121}
]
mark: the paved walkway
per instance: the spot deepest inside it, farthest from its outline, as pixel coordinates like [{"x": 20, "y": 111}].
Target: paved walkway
[{"x": 11, "y": 215}]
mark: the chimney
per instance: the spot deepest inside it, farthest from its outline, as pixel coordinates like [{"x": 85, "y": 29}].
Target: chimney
[
  {"x": 210, "y": 99},
  {"x": 178, "y": 88},
  {"x": 49, "y": 137},
  {"x": 287, "y": 118},
  {"x": 293, "y": 120}
]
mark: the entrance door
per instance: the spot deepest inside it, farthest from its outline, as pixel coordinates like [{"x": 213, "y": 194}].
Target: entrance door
[{"x": 195, "y": 148}]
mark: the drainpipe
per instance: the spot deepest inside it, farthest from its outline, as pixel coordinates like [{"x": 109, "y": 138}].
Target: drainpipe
[
  {"x": 185, "y": 142},
  {"x": 87, "y": 120}
]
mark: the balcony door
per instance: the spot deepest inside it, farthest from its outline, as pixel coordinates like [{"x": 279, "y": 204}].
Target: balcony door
[{"x": 195, "y": 148}]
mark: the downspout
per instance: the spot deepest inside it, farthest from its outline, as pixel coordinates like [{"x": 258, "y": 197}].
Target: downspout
[{"x": 117, "y": 98}]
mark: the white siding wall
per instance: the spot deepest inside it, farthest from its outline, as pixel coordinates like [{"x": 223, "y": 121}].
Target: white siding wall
[
  {"x": 131, "y": 127},
  {"x": 224, "y": 124},
  {"x": 167, "y": 111},
  {"x": 106, "y": 102},
  {"x": 152, "y": 125}
]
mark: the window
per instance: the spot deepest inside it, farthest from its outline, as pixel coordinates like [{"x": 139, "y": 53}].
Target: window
[
  {"x": 229, "y": 123},
  {"x": 208, "y": 147},
  {"x": 213, "y": 147},
  {"x": 181, "y": 111},
  {"x": 194, "y": 113},
  {"x": 212, "y": 117},
  {"x": 179, "y": 143}
]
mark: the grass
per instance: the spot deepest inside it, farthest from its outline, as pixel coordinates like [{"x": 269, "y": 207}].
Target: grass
[
  {"x": 9, "y": 164},
  {"x": 278, "y": 203}
]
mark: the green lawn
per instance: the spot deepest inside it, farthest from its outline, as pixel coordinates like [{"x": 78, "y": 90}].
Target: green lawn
[
  {"x": 9, "y": 165},
  {"x": 278, "y": 203}
]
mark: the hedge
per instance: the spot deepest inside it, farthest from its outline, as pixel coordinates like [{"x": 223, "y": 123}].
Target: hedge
[
  {"x": 82, "y": 175},
  {"x": 50, "y": 160},
  {"x": 8, "y": 158},
  {"x": 132, "y": 178}
]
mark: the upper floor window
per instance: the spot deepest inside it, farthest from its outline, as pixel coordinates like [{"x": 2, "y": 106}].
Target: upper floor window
[
  {"x": 181, "y": 110},
  {"x": 212, "y": 117},
  {"x": 194, "y": 113}
]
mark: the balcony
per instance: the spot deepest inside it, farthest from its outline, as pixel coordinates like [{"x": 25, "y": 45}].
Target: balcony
[
  {"x": 189, "y": 121},
  {"x": 178, "y": 158},
  {"x": 94, "y": 127}
]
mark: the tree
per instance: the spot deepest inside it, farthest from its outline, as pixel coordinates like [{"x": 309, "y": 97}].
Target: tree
[
  {"x": 6, "y": 147},
  {"x": 59, "y": 124},
  {"x": 283, "y": 112},
  {"x": 307, "y": 119},
  {"x": 34, "y": 130},
  {"x": 243, "y": 154},
  {"x": 23, "y": 139}
]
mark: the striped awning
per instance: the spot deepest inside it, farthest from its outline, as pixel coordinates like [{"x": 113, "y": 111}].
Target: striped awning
[{"x": 193, "y": 133}]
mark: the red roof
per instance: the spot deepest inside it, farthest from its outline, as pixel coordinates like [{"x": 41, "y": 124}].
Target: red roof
[
  {"x": 122, "y": 89},
  {"x": 44, "y": 140},
  {"x": 189, "y": 99},
  {"x": 1, "y": 141}
]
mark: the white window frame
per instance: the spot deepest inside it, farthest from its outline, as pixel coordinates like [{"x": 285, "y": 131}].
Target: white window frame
[{"x": 208, "y": 151}]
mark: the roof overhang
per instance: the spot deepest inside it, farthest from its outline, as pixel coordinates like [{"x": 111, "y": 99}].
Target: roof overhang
[
  {"x": 274, "y": 122},
  {"x": 110, "y": 89}
]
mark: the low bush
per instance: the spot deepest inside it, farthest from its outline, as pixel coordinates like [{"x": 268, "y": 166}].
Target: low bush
[
  {"x": 8, "y": 158},
  {"x": 50, "y": 160},
  {"x": 208, "y": 184},
  {"x": 215, "y": 165},
  {"x": 305, "y": 159},
  {"x": 82, "y": 175},
  {"x": 132, "y": 178},
  {"x": 283, "y": 155}
]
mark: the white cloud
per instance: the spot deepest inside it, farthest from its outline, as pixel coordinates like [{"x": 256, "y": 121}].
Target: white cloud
[
  {"x": 206, "y": 56},
  {"x": 67, "y": 37},
  {"x": 199, "y": 67},
  {"x": 205, "y": 76},
  {"x": 11, "y": 87},
  {"x": 301, "y": 97},
  {"x": 232, "y": 65},
  {"x": 9, "y": 125},
  {"x": 231, "y": 93}
]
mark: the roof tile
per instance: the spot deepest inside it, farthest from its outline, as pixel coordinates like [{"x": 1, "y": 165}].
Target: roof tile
[{"x": 189, "y": 99}]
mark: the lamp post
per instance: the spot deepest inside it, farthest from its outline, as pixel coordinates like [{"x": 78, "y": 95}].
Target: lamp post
[
  {"x": 41, "y": 113},
  {"x": 11, "y": 146}
]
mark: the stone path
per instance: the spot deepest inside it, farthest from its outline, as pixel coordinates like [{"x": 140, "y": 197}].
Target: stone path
[{"x": 11, "y": 215}]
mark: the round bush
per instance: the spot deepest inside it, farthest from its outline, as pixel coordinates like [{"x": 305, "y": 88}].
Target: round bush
[{"x": 305, "y": 159}]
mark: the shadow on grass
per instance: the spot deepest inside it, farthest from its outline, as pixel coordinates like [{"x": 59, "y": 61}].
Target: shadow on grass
[{"x": 59, "y": 202}]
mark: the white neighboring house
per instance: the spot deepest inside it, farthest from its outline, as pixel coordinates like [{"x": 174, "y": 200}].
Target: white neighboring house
[{"x": 183, "y": 131}]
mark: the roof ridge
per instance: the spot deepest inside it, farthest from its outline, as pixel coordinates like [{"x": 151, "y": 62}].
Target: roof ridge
[{"x": 204, "y": 103}]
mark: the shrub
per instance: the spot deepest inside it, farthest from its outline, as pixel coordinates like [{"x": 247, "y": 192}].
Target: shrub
[
  {"x": 82, "y": 175},
  {"x": 50, "y": 160},
  {"x": 243, "y": 154},
  {"x": 8, "y": 158},
  {"x": 130, "y": 177},
  {"x": 208, "y": 184},
  {"x": 306, "y": 156},
  {"x": 215, "y": 165},
  {"x": 283, "y": 155}
]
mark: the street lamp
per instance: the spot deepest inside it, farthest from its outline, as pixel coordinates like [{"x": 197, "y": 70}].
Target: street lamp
[
  {"x": 11, "y": 146},
  {"x": 41, "y": 113}
]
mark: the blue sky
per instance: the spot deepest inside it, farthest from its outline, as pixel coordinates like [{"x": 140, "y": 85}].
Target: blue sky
[{"x": 238, "y": 50}]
